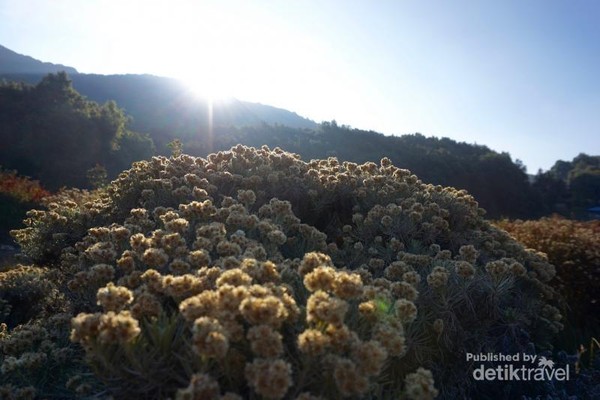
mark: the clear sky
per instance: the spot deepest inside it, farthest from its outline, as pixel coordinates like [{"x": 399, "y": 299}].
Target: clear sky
[{"x": 521, "y": 76}]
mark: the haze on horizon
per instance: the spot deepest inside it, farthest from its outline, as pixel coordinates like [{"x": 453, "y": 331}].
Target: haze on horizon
[{"x": 516, "y": 76}]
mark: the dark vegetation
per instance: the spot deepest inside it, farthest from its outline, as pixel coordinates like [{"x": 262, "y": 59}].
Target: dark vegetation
[
  {"x": 573, "y": 247},
  {"x": 52, "y": 133},
  {"x": 570, "y": 188}
]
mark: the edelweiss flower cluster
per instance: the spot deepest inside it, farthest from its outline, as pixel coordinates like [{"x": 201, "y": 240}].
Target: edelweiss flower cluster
[{"x": 253, "y": 273}]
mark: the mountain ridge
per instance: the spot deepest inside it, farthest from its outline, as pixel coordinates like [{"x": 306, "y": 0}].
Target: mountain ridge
[
  {"x": 145, "y": 94},
  {"x": 165, "y": 109},
  {"x": 152, "y": 95},
  {"x": 13, "y": 62}
]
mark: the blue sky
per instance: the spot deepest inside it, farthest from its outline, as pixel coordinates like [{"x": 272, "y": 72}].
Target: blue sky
[{"x": 518, "y": 76}]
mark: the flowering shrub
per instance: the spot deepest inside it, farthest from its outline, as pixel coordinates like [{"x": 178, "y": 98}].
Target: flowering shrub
[
  {"x": 253, "y": 274},
  {"x": 574, "y": 248},
  {"x": 17, "y": 195},
  {"x": 66, "y": 219},
  {"x": 21, "y": 188}
]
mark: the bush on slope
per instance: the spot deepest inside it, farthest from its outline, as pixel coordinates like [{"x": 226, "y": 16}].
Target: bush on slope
[{"x": 252, "y": 273}]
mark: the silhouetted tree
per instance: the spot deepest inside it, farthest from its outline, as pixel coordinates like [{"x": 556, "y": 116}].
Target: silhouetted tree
[{"x": 54, "y": 134}]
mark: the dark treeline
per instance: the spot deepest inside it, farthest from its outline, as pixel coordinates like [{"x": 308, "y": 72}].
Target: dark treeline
[
  {"x": 570, "y": 187},
  {"x": 52, "y": 133},
  {"x": 500, "y": 185}
]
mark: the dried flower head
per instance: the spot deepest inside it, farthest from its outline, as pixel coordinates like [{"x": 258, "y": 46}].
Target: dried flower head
[
  {"x": 348, "y": 379},
  {"x": 320, "y": 278},
  {"x": 497, "y": 269},
  {"x": 369, "y": 357},
  {"x": 117, "y": 327},
  {"x": 347, "y": 286},
  {"x": 404, "y": 290},
  {"x": 313, "y": 342},
  {"x": 234, "y": 277},
  {"x": 312, "y": 261},
  {"x": 391, "y": 337},
  {"x": 464, "y": 269},
  {"x": 210, "y": 338},
  {"x": 405, "y": 310},
  {"x": 155, "y": 257},
  {"x": 438, "y": 326},
  {"x": 307, "y": 396},
  {"x": 420, "y": 385},
  {"x": 201, "y": 387},
  {"x": 322, "y": 307},
  {"x": 85, "y": 327},
  {"x": 517, "y": 269},
  {"x": 269, "y": 378},
  {"x": 114, "y": 298},
  {"x": 127, "y": 262},
  {"x": 200, "y": 305},
  {"x": 268, "y": 310},
  {"x": 261, "y": 271},
  {"x": 199, "y": 258},
  {"x": 265, "y": 342},
  {"x": 411, "y": 277},
  {"x": 145, "y": 304},
  {"x": 468, "y": 253},
  {"x": 438, "y": 278}
]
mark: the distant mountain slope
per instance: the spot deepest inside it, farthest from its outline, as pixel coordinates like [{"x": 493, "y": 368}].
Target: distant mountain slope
[
  {"x": 162, "y": 105},
  {"x": 157, "y": 104},
  {"x": 140, "y": 94},
  {"x": 165, "y": 109},
  {"x": 15, "y": 63}
]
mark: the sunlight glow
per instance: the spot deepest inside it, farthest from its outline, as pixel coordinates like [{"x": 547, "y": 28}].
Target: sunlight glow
[
  {"x": 207, "y": 86},
  {"x": 221, "y": 52},
  {"x": 198, "y": 48},
  {"x": 471, "y": 73},
  {"x": 222, "y": 49}
]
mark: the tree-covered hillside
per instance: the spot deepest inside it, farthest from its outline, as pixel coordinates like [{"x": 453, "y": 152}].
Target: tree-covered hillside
[
  {"x": 166, "y": 108},
  {"x": 499, "y": 184},
  {"x": 52, "y": 121},
  {"x": 52, "y": 133},
  {"x": 571, "y": 186}
]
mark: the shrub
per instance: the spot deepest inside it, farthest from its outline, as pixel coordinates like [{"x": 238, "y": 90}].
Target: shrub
[
  {"x": 65, "y": 220},
  {"x": 17, "y": 195},
  {"x": 28, "y": 292},
  {"x": 574, "y": 248},
  {"x": 252, "y": 273},
  {"x": 22, "y": 188}
]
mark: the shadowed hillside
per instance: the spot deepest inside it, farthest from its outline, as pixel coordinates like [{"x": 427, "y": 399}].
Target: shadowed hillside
[
  {"x": 15, "y": 63},
  {"x": 166, "y": 109}
]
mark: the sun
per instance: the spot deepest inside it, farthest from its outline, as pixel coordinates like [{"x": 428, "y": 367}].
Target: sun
[
  {"x": 202, "y": 91},
  {"x": 208, "y": 86},
  {"x": 205, "y": 78},
  {"x": 198, "y": 46},
  {"x": 220, "y": 54}
]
